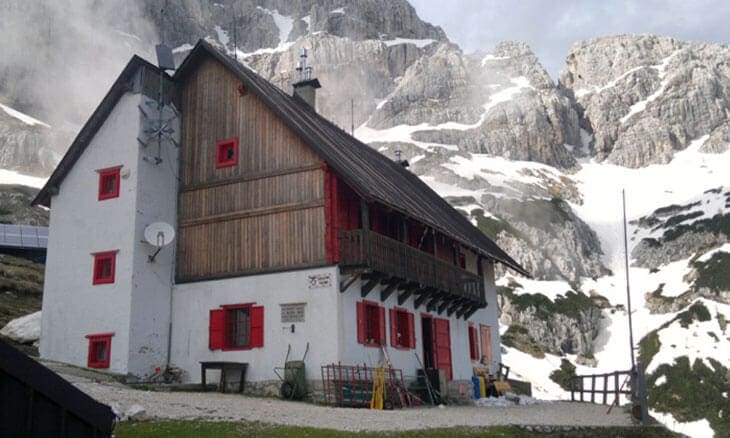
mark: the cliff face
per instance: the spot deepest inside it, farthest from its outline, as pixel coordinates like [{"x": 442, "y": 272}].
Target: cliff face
[{"x": 645, "y": 97}]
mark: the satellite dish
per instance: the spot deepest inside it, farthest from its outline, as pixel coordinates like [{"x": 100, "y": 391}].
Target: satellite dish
[{"x": 159, "y": 234}]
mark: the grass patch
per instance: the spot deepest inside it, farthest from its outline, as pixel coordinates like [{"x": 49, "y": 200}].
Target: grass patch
[
  {"x": 649, "y": 346},
  {"x": 21, "y": 287},
  {"x": 562, "y": 375},
  {"x": 518, "y": 337},
  {"x": 718, "y": 224},
  {"x": 693, "y": 392},
  {"x": 714, "y": 274},
  {"x": 491, "y": 227},
  {"x": 696, "y": 312},
  {"x": 197, "y": 428},
  {"x": 571, "y": 304}
]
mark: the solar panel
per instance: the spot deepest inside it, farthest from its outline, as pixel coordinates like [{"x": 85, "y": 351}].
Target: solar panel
[{"x": 23, "y": 236}]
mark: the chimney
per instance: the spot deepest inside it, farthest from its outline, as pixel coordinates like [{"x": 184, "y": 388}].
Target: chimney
[{"x": 306, "y": 88}]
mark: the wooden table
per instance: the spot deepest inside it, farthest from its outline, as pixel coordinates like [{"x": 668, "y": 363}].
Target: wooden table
[{"x": 223, "y": 367}]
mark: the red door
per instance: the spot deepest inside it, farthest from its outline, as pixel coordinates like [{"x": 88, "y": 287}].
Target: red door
[
  {"x": 486, "y": 337},
  {"x": 442, "y": 345}
]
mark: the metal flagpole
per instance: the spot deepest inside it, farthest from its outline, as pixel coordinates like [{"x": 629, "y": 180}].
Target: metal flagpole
[{"x": 628, "y": 289}]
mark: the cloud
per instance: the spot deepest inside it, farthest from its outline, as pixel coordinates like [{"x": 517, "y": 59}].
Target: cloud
[
  {"x": 550, "y": 27},
  {"x": 59, "y": 57}
]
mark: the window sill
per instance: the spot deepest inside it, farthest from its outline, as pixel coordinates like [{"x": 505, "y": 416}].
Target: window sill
[{"x": 238, "y": 348}]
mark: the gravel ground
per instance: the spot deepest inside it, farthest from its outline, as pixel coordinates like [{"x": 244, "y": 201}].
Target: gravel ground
[{"x": 230, "y": 407}]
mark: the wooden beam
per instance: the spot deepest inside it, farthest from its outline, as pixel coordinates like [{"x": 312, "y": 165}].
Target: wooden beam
[
  {"x": 346, "y": 284},
  {"x": 251, "y": 213},
  {"x": 367, "y": 287},
  {"x": 470, "y": 312},
  {"x": 392, "y": 286},
  {"x": 464, "y": 308},
  {"x": 251, "y": 176},
  {"x": 403, "y": 296},
  {"x": 444, "y": 304},
  {"x": 432, "y": 303},
  {"x": 452, "y": 308},
  {"x": 425, "y": 293}
]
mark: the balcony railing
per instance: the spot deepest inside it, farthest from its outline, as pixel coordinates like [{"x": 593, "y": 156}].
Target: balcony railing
[{"x": 363, "y": 249}]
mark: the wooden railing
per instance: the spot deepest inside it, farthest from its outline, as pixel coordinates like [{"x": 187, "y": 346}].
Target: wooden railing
[
  {"x": 370, "y": 250},
  {"x": 610, "y": 386}
]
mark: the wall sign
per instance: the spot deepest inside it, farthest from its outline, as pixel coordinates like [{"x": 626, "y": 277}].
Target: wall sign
[
  {"x": 319, "y": 281},
  {"x": 292, "y": 312}
]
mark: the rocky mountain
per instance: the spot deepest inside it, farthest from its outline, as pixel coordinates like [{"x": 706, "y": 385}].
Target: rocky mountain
[
  {"x": 642, "y": 98},
  {"x": 536, "y": 165}
]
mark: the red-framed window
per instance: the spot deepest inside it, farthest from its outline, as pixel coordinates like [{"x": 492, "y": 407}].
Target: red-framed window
[
  {"x": 104, "y": 267},
  {"x": 100, "y": 350},
  {"x": 462, "y": 260},
  {"x": 109, "y": 181},
  {"x": 370, "y": 324},
  {"x": 473, "y": 343},
  {"x": 402, "y": 329},
  {"x": 226, "y": 152},
  {"x": 236, "y": 327}
]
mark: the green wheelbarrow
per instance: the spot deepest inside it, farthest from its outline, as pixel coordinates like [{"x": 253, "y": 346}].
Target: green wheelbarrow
[{"x": 293, "y": 380}]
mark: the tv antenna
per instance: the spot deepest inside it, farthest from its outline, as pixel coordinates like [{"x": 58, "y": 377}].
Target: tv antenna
[
  {"x": 159, "y": 235},
  {"x": 305, "y": 71},
  {"x": 159, "y": 126}
]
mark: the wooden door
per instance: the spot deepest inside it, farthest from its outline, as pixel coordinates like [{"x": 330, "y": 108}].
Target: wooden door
[
  {"x": 442, "y": 345},
  {"x": 486, "y": 341}
]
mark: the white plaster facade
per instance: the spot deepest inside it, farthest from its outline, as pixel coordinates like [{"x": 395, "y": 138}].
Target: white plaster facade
[{"x": 136, "y": 307}]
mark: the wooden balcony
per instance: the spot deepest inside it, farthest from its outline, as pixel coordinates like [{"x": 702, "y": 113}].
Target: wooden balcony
[{"x": 401, "y": 268}]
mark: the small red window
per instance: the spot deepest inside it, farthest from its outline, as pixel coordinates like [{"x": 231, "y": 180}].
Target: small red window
[
  {"x": 109, "y": 183},
  {"x": 473, "y": 345},
  {"x": 462, "y": 260},
  {"x": 100, "y": 350},
  {"x": 402, "y": 333},
  {"x": 236, "y": 327},
  {"x": 370, "y": 324},
  {"x": 226, "y": 153},
  {"x": 104, "y": 267}
]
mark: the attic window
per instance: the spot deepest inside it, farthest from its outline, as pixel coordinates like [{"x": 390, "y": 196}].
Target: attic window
[
  {"x": 104, "y": 267},
  {"x": 109, "y": 183},
  {"x": 226, "y": 153}
]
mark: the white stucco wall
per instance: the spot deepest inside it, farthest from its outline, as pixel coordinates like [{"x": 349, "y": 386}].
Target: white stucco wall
[
  {"x": 193, "y": 301},
  {"x": 80, "y": 225},
  {"x": 152, "y": 281}
]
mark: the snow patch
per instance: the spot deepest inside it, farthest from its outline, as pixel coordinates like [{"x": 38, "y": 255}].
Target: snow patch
[
  {"x": 184, "y": 48},
  {"x": 661, "y": 380},
  {"x": 700, "y": 428},
  {"x": 337, "y": 11},
  {"x": 28, "y": 120},
  {"x": 15, "y": 178},
  {"x": 222, "y": 35},
  {"x": 490, "y": 57},
  {"x": 420, "y": 43},
  {"x": 24, "y": 330}
]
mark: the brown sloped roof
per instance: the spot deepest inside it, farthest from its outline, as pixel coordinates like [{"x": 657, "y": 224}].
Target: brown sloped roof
[
  {"x": 371, "y": 174},
  {"x": 90, "y": 128}
]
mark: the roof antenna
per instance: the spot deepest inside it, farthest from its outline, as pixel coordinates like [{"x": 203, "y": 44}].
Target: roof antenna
[
  {"x": 305, "y": 72},
  {"x": 399, "y": 160},
  {"x": 235, "y": 34},
  {"x": 158, "y": 126}
]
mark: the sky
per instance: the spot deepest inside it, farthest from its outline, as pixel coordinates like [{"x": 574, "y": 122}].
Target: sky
[{"x": 550, "y": 27}]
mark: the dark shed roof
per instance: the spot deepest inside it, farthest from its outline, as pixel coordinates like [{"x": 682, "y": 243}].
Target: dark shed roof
[
  {"x": 120, "y": 86},
  {"x": 371, "y": 174}
]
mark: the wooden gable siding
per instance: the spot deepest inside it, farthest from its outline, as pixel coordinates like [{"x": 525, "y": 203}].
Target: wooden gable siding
[{"x": 264, "y": 214}]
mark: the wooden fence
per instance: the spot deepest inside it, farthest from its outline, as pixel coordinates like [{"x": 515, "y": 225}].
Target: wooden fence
[{"x": 583, "y": 388}]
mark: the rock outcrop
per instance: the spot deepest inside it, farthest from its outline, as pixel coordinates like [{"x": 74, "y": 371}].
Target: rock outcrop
[{"x": 644, "y": 97}]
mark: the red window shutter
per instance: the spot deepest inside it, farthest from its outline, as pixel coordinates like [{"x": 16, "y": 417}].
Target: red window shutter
[
  {"x": 411, "y": 331},
  {"x": 393, "y": 327},
  {"x": 216, "y": 329},
  {"x": 361, "y": 324},
  {"x": 381, "y": 320},
  {"x": 257, "y": 326}
]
